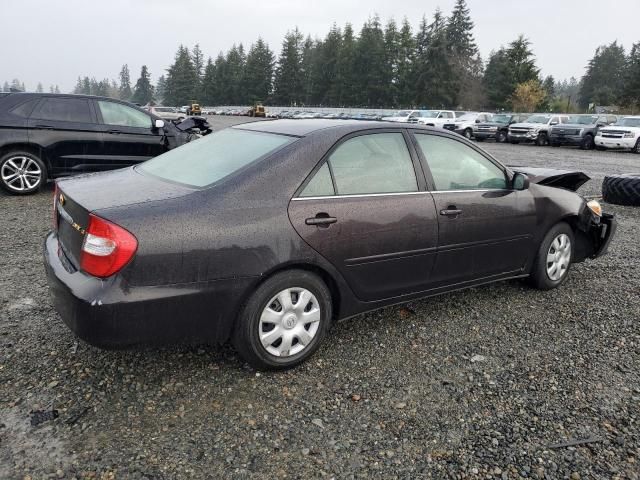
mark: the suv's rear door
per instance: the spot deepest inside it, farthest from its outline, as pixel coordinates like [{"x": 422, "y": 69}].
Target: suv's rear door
[
  {"x": 130, "y": 136},
  {"x": 66, "y": 130}
]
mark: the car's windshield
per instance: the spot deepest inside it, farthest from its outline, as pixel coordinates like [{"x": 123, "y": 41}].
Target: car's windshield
[
  {"x": 583, "y": 119},
  {"x": 431, "y": 114},
  {"x": 628, "y": 122},
  {"x": 403, "y": 113},
  {"x": 210, "y": 159},
  {"x": 538, "y": 119},
  {"x": 501, "y": 118},
  {"x": 467, "y": 117}
]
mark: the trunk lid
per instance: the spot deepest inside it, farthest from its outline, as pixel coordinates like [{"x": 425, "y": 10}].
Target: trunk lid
[
  {"x": 79, "y": 196},
  {"x": 551, "y": 177}
]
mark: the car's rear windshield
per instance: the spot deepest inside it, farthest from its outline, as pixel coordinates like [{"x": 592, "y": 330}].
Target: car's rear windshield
[{"x": 205, "y": 161}]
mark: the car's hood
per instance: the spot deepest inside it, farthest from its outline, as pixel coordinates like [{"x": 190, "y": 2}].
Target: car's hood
[
  {"x": 395, "y": 119},
  {"x": 492, "y": 124},
  {"x": 568, "y": 179},
  {"x": 527, "y": 125},
  {"x": 619, "y": 128},
  {"x": 574, "y": 126},
  {"x": 127, "y": 186}
]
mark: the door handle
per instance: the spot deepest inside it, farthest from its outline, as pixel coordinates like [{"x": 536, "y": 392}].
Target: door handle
[
  {"x": 321, "y": 220},
  {"x": 44, "y": 127},
  {"x": 451, "y": 211}
]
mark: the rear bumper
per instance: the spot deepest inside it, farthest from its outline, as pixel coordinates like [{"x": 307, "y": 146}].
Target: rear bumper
[{"x": 109, "y": 313}]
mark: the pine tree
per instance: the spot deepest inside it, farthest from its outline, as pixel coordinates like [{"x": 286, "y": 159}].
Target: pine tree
[
  {"x": 143, "y": 91},
  {"x": 258, "y": 72},
  {"x": 522, "y": 61},
  {"x": 208, "y": 96},
  {"x": 369, "y": 61},
  {"x": 220, "y": 68},
  {"x": 57, "y": 89},
  {"x": 78, "y": 88},
  {"x": 161, "y": 88},
  {"x": 181, "y": 78},
  {"x": 6, "y": 87},
  {"x": 346, "y": 74},
  {"x": 288, "y": 77},
  {"x": 329, "y": 89},
  {"x": 125, "y": 83},
  {"x": 310, "y": 68},
  {"x": 603, "y": 82},
  {"x": 392, "y": 61},
  {"x": 39, "y": 88},
  {"x": 406, "y": 57},
  {"x": 631, "y": 92},
  {"x": 197, "y": 57},
  {"x": 233, "y": 76}
]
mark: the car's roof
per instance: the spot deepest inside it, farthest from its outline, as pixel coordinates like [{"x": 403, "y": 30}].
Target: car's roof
[
  {"x": 67, "y": 95},
  {"x": 304, "y": 127}
]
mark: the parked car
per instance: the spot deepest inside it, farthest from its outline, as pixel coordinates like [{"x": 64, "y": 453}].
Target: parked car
[
  {"x": 268, "y": 233},
  {"x": 535, "y": 128},
  {"x": 438, "y": 118},
  {"x": 167, "y": 113},
  {"x": 46, "y": 136},
  {"x": 624, "y": 134},
  {"x": 464, "y": 124},
  {"x": 408, "y": 116},
  {"x": 580, "y": 130},
  {"x": 498, "y": 127}
]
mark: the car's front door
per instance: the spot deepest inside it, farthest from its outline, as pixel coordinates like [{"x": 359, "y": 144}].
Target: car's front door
[
  {"x": 365, "y": 210},
  {"x": 66, "y": 130},
  {"x": 130, "y": 136},
  {"x": 485, "y": 227}
]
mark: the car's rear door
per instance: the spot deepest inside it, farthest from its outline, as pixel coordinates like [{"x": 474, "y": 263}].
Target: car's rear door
[
  {"x": 130, "y": 136},
  {"x": 67, "y": 131},
  {"x": 365, "y": 209},
  {"x": 485, "y": 227}
]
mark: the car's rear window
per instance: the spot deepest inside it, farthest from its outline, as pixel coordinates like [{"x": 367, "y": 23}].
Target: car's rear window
[{"x": 209, "y": 159}]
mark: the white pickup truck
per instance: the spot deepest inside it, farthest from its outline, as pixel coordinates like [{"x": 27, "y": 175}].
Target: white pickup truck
[
  {"x": 624, "y": 134},
  {"x": 437, "y": 118}
]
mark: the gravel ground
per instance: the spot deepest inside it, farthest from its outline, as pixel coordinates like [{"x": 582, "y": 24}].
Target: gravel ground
[{"x": 485, "y": 383}]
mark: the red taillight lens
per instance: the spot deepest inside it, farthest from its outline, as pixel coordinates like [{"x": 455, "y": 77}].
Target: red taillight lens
[{"x": 106, "y": 248}]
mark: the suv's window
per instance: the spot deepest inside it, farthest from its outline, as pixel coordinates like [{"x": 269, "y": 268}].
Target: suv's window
[
  {"x": 25, "y": 109},
  {"x": 118, "y": 114},
  {"x": 65, "y": 110},
  {"x": 375, "y": 163},
  {"x": 455, "y": 166}
]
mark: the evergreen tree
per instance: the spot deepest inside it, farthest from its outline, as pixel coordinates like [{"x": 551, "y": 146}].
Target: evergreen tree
[
  {"x": 197, "y": 57},
  {"x": 78, "y": 87},
  {"x": 57, "y": 89},
  {"x": 233, "y": 76},
  {"x": 180, "y": 79},
  {"x": 522, "y": 62},
  {"x": 631, "y": 93},
  {"x": 406, "y": 56},
  {"x": 310, "y": 69},
  {"x": 392, "y": 61},
  {"x": 345, "y": 69},
  {"x": 258, "y": 72},
  {"x": 6, "y": 87},
  {"x": 603, "y": 82},
  {"x": 220, "y": 68},
  {"x": 143, "y": 91},
  {"x": 288, "y": 76},
  {"x": 39, "y": 88},
  {"x": 208, "y": 93},
  {"x": 463, "y": 55},
  {"x": 160, "y": 89},
  {"x": 369, "y": 62},
  {"x": 125, "y": 83},
  {"x": 328, "y": 88}
]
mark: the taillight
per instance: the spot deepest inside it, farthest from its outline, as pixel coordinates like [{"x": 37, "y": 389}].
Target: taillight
[
  {"x": 106, "y": 248},
  {"x": 55, "y": 208}
]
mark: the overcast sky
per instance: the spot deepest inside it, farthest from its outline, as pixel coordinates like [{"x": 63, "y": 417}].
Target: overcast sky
[{"x": 55, "y": 41}]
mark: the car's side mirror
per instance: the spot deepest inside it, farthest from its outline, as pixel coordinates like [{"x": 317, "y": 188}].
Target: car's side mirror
[
  {"x": 553, "y": 123},
  {"x": 478, "y": 121},
  {"x": 158, "y": 124},
  {"x": 520, "y": 181}
]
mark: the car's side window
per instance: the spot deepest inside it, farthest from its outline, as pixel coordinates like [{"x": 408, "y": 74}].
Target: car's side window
[
  {"x": 373, "y": 163},
  {"x": 456, "y": 166},
  {"x": 121, "y": 115},
  {"x": 65, "y": 110}
]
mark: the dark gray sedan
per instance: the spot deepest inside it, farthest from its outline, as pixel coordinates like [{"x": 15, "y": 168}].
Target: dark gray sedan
[{"x": 266, "y": 233}]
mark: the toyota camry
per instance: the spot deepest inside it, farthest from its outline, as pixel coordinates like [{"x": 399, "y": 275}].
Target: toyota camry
[{"x": 266, "y": 233}]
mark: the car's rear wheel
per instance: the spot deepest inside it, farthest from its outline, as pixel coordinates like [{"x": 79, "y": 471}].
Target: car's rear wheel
[
  {"x": 22, "y": 173},
  {"x": 542, "y": 140},
  {"x": 502, "y": 137},
  {"x": 284, "y": 321},
  {"x": 553, "y": 258},
  {"x": 468, "y": 133},
  {"x": 587, "y": 143},
  {"x": 636, "y": 149}
]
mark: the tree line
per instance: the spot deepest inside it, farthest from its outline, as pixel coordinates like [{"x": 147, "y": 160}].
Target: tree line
[{"x": 383, "y": 66}]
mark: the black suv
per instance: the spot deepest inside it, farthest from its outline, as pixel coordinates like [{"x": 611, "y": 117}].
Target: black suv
[
  {"x": 44, "y": 136},
  {"x": 580, "y": 130},
  {"x": 498, "y": 127}
]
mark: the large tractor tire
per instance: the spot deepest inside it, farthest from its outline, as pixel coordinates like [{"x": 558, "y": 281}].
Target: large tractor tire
[{"x": 622, "y": 189}]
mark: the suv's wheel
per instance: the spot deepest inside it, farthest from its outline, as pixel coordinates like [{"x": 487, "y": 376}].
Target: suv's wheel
[
  {"x": 587, "y": 142},
  {"x": 542, "y": 139},
  {"x": 468, "y": 133},
  {"x": 284, "y": 321},
  {"x": 502, "y": 136},
  {"x": 22, "y": 173},
  {"x": 636, "y": 149},
  {"x": 553, "y": 258}
]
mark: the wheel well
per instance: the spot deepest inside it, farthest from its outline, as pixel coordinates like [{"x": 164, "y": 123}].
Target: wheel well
[
  {"x": 584, "y": 244},
  {"x": 22, "y": 147}
]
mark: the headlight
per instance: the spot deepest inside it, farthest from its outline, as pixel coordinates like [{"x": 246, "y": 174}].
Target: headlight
[
  {"x": 630, "y": 135},
  {"x": 599, "y": 133},
  {"x": 595, "y": 207}
]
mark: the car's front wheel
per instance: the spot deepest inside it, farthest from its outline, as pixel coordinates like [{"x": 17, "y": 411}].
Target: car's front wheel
[
  {"x": 553, "y": 258},
  {"x": 468, "y": 133},
  {"x": 542, "y": 140},
  {"x": 284, "y": 321},
  {"x": 22, "y": 173},
  {"x": 502, "y": 136}
]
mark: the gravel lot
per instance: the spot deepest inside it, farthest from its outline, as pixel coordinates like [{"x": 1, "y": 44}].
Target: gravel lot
[{"x": 486, "y": 383}]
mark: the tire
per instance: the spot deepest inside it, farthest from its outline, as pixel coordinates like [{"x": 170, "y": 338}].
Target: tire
[
  {"x": 636, "y": 149},
  {"x": 264, "y": 305},
  {"x": 468, "y": 133},
  {"x": 543, "y": 274},
  {"x": 622, "y": 189},
  {"x": 587, "y": 143},
  {"x": 29, "y": 181},
  {"x": 501, "y": 137},
  {"x": 542, "y": 140}
]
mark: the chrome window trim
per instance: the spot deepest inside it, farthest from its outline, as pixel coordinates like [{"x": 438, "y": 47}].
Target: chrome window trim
[{"x": 361, "y": 195}]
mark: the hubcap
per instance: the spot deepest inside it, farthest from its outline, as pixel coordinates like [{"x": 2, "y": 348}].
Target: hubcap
[
  {"x": 559, "y": 257},
  {"x": 21, "y": 173},
  {"x": 289, "y": 322}
]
